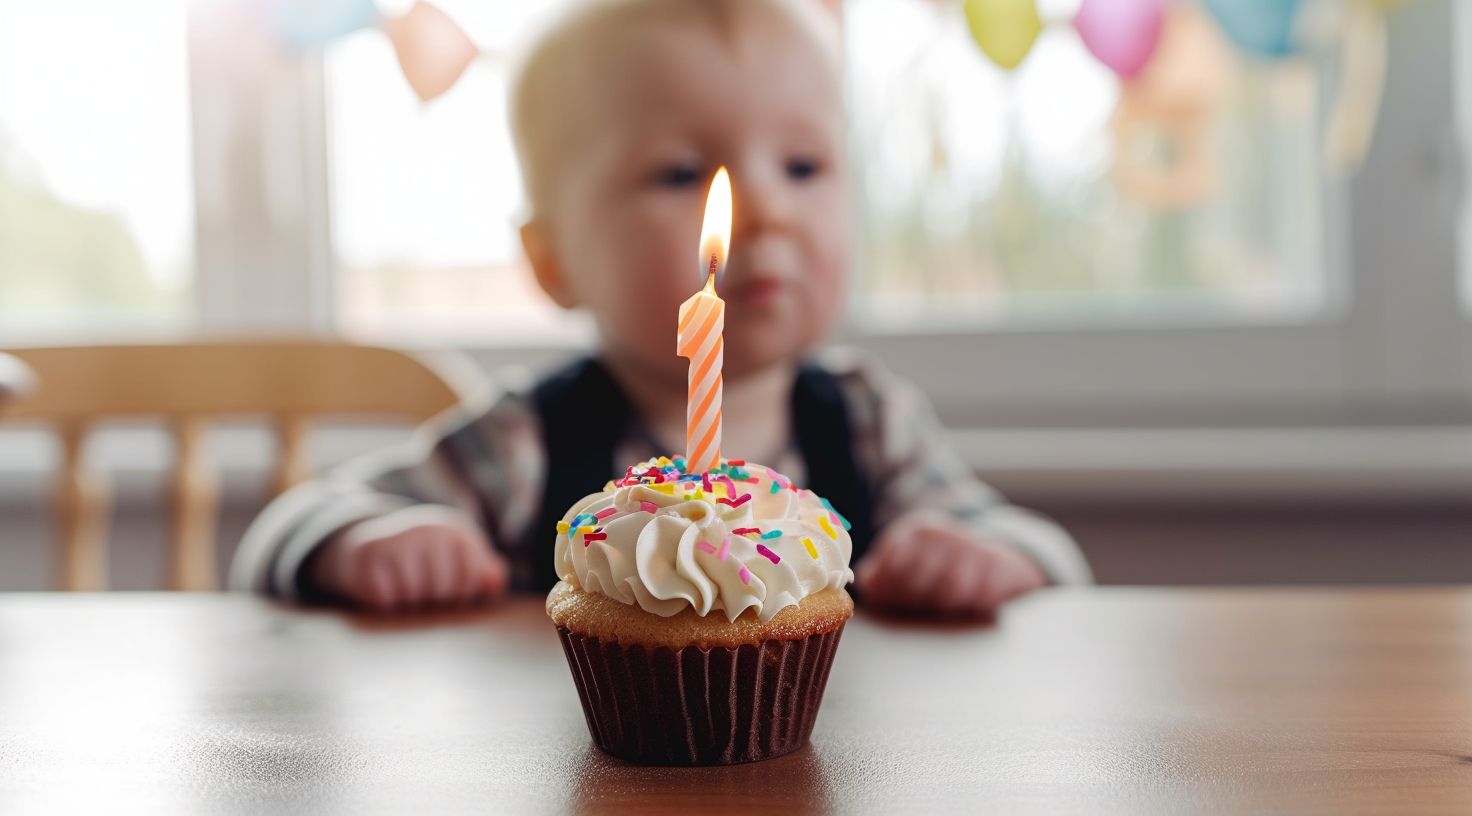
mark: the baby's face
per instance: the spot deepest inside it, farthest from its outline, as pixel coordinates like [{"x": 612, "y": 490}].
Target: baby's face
[{"x": 678, "y": 101}]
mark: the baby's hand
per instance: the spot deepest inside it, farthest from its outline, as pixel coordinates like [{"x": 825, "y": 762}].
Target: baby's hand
[
  {"x": 411, "y": 558},
  {"x": 926, "y": 564}
]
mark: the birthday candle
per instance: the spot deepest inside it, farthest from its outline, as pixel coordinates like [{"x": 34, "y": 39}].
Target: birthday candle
[{"x": 702, "y": 323}]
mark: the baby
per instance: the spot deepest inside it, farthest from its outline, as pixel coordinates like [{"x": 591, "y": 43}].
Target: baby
[{"x": 621, "y": 113}]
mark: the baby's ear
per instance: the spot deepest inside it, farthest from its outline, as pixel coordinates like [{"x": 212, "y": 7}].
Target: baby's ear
[{"x": 538, "y": 247}]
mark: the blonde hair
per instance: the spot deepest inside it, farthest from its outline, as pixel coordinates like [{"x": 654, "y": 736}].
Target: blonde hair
[{"x": 564, "y": 52}]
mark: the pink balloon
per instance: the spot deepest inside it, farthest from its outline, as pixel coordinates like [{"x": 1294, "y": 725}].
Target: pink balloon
[{"x": 1123, "y": 34}]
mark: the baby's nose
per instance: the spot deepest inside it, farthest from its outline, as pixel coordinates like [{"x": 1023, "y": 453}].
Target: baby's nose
[{"x": 760, "y": 203}]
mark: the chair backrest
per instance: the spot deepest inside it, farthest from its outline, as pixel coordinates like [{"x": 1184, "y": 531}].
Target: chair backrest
[{"x": 289, "y": 384}]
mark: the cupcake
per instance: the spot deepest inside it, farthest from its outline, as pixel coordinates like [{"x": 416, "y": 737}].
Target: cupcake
[{"x": 700, "y": 611}]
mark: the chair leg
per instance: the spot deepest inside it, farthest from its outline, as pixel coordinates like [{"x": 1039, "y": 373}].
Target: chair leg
[
  {"x": 81, "y": 503},
  {"x": 293, "y": 462},
  {"x": 194, "y": 494}
]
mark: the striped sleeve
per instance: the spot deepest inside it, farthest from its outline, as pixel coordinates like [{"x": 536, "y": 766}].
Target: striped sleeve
[
  {"x": 482, "y": 459},
  {"x": 902, "y": 446}
]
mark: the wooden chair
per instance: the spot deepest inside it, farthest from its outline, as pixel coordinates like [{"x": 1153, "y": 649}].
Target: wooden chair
[{"x": 289, "y": 384}]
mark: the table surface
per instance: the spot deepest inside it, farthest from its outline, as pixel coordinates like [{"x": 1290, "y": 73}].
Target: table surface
[{"x": 1089, "y": 700}]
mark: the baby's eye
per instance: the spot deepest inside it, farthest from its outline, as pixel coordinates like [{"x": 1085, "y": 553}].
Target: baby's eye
[
  {"x": 802, "y": 169},
  {"x": 678, "y": 176}
]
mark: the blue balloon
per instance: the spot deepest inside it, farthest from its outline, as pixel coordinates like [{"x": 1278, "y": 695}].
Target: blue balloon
[
  {"x": 309, "y": 25},
  {"x": 1261, "y": 27}
]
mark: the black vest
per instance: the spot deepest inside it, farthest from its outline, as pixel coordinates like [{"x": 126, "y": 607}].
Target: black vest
[{"x": 584, "y": 416}]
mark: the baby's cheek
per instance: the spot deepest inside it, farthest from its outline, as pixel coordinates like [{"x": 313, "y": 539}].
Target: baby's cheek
[{"x": 638, "y": 312}]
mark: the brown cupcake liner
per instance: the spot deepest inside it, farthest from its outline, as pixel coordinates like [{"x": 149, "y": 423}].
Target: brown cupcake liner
[{"x": 694, "y": 706}]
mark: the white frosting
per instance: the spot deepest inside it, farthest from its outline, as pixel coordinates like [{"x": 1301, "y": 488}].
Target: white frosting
[{"x": 656, "y": 559}]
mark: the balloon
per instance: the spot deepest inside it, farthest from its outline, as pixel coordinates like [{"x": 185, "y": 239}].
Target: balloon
[
  {"x": 1123, "y": 34},
  {"x": 1262, "y": 27},
  {"x": 308, "y": 25},
  {"x": 1192, "y": 67},
  {"x": 1363, "y": 56},
  {"x": 1162, "y": 126},
  {"x": 1005, "y": 29},
  {"x": 433, "y": 51}
]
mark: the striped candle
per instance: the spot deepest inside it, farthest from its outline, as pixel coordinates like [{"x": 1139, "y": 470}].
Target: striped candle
[{"x": 702, "y": 323}]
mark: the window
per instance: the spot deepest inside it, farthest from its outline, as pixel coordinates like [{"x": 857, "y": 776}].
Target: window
[
  {"x": 1288, "y": 297},
  {"x": 1462, "y": 55},
  {"x": 425, "y": 199},
  {"x": 96, "y": 202},
  {"x": 987, "y": 197},
  {"x": 994, "y": 246}
]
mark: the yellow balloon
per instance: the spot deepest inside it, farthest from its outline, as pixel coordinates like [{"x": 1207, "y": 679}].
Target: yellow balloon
[{"x": 1005, "y": 29}]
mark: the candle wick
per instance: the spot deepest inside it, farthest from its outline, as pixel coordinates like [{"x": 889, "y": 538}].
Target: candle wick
[{"x": 710, "y": 281}]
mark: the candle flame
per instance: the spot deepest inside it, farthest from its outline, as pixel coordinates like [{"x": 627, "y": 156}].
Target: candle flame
[{"x": 715, "y": 235}]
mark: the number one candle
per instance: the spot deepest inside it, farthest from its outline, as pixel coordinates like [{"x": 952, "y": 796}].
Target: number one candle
[{"x": 702, "y": 322}]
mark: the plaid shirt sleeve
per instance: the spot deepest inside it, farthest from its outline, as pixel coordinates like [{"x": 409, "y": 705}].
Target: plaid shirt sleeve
[
  {"x": 482, "y": 458},
  {"x": 900, "y": 443}
]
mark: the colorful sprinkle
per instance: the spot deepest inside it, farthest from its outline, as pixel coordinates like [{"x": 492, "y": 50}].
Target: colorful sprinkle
[
  {"x": 706, "y": 546},
  {"x": 771, "y": 556},
  {"x": 585, "y": 530},
  {"x": 744, "y": 575},
  {"x": 837, "y": 516},
  {"x": 771, "y": 534},
  {"x": 808, "y": 543},
  {"x": 725, "y": 549},
  {"x": 775, "y": 487},
  {"x": 605, "y": 513},
  {"x": 705, "y": 482},
  {"x": 827, "y": 528},
  {"x": 738, "y": 501},
  {"x": 746, "y": 530},
  {"x": 563, "y": 527},
  {"x": 667, "y": 489},
  {"x": 594, "y": 537},
  {"x": 648, "y": 506},
  {"x": 736, "y": 462}
]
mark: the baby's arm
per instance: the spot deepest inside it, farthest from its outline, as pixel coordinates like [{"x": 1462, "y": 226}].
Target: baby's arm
[
  {"x": 929, "y": 563},
  {"x": 946, "y": 543},
  {"x": 414, "y": 557},
  {"x": 407, "y": 527}
]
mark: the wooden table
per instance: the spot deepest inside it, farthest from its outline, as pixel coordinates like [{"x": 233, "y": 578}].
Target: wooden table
[{"x": 1088, "y": 701}]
